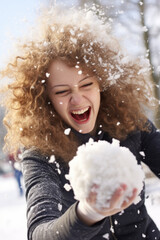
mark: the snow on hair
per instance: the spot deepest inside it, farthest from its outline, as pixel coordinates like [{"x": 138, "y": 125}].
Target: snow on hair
[{"x": 78, "y": 37}]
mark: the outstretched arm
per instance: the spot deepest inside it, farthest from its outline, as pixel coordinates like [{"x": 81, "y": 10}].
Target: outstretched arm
[
  {"x": 44, "y": 194},
  {"x": 90, "y": 214}
]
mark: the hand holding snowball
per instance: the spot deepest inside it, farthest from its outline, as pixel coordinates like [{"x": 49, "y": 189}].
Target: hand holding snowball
[
  {"x": 105, "y": 178},
  {"x": 90, "y": 214}
]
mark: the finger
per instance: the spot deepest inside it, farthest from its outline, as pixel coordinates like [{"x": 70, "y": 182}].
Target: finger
[
  {"x": 117, "y": 196},
  {"x": 131, "y": 199},
  {"x": 116, "y": 199},
  {"x": 92, "y": 198},
  {"x": 93, "y": 195},
  {"x": 125, "y": 204}
]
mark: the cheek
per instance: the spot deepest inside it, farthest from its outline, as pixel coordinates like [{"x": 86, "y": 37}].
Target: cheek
[
  {"x": 97, "y": 101},
  {"x": 96, "y": 96},
  {"x": 60, "y": 103},
  {"x": 59, "y": 106},
  {"x": 56, "y": 102}
]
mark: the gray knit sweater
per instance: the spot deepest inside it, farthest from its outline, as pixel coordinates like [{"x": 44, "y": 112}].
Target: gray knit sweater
[{"x": 51, "y": 209}]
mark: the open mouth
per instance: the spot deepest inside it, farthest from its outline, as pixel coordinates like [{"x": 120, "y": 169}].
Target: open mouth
[{"x": 81, "y": 116}]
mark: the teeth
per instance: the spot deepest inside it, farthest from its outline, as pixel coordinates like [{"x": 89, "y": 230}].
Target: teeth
[{"x": 80, "y": 111}]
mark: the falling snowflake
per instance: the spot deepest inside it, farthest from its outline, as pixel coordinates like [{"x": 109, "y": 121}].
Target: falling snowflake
[
  {"x": 67, "y": 131},
  {"x": 52, "y": 159},
  {"x": 67, "y": 187},
  {"x": 59, "y": 206}
]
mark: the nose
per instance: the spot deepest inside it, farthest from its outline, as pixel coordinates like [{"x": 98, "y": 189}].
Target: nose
[{"x": 76, "y": 98}]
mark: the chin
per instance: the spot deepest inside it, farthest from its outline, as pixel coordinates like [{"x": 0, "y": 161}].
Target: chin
[{"x": 85, "y": 131}]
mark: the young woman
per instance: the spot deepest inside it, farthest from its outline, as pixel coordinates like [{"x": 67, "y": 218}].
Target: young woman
[{"x": 72, "y": 75}]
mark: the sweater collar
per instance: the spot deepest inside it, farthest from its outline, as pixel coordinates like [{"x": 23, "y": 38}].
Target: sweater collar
[{"x": 84, "y": 138}]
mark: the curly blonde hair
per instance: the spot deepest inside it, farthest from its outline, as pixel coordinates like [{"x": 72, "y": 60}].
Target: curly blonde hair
[{"x": 77, "y": 38}]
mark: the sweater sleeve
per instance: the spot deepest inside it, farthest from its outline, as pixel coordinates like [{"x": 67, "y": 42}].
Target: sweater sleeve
[
  {"x": 44, "y": 195},
  {"x": 151, "y": 148}
]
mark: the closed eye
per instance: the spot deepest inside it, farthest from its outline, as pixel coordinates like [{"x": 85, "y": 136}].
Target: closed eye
[
  {"x": 61, "y": 92},
  {"x": 87, "y": 84}
]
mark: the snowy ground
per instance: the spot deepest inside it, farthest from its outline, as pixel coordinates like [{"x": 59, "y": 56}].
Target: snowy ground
[
  {"x": 13, "y": 208},
  {"x": 12, "y": 211}
]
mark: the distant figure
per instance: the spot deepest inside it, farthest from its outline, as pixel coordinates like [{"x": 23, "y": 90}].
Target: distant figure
[{"x": 17, "y": 170}]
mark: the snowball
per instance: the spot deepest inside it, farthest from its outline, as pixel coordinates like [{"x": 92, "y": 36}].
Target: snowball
[{"x": 108, "y": 166}]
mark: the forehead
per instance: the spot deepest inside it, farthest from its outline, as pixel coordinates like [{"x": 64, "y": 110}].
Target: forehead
[{"x": 61, "y": 73}]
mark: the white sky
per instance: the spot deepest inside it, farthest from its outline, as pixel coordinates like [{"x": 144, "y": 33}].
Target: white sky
[{"x": 15, "y": 17}]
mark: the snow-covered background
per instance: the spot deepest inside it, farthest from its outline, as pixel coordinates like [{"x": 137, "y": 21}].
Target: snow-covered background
[
  {"x": 13, "y": 208},
  {"x": 16, "y": 16}
]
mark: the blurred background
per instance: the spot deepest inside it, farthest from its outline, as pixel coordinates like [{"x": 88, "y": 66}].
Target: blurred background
[{"x": 136, "y": 24}]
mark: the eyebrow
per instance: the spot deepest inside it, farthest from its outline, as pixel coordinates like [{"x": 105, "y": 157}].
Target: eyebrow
[{"x": 65, "y": 85}]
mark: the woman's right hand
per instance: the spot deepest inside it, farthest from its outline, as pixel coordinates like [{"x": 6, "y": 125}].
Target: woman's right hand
[{"x": 90, "y": 214}]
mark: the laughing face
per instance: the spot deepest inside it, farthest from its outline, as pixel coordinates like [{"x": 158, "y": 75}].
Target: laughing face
[{"x": 74, "y": 95}]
